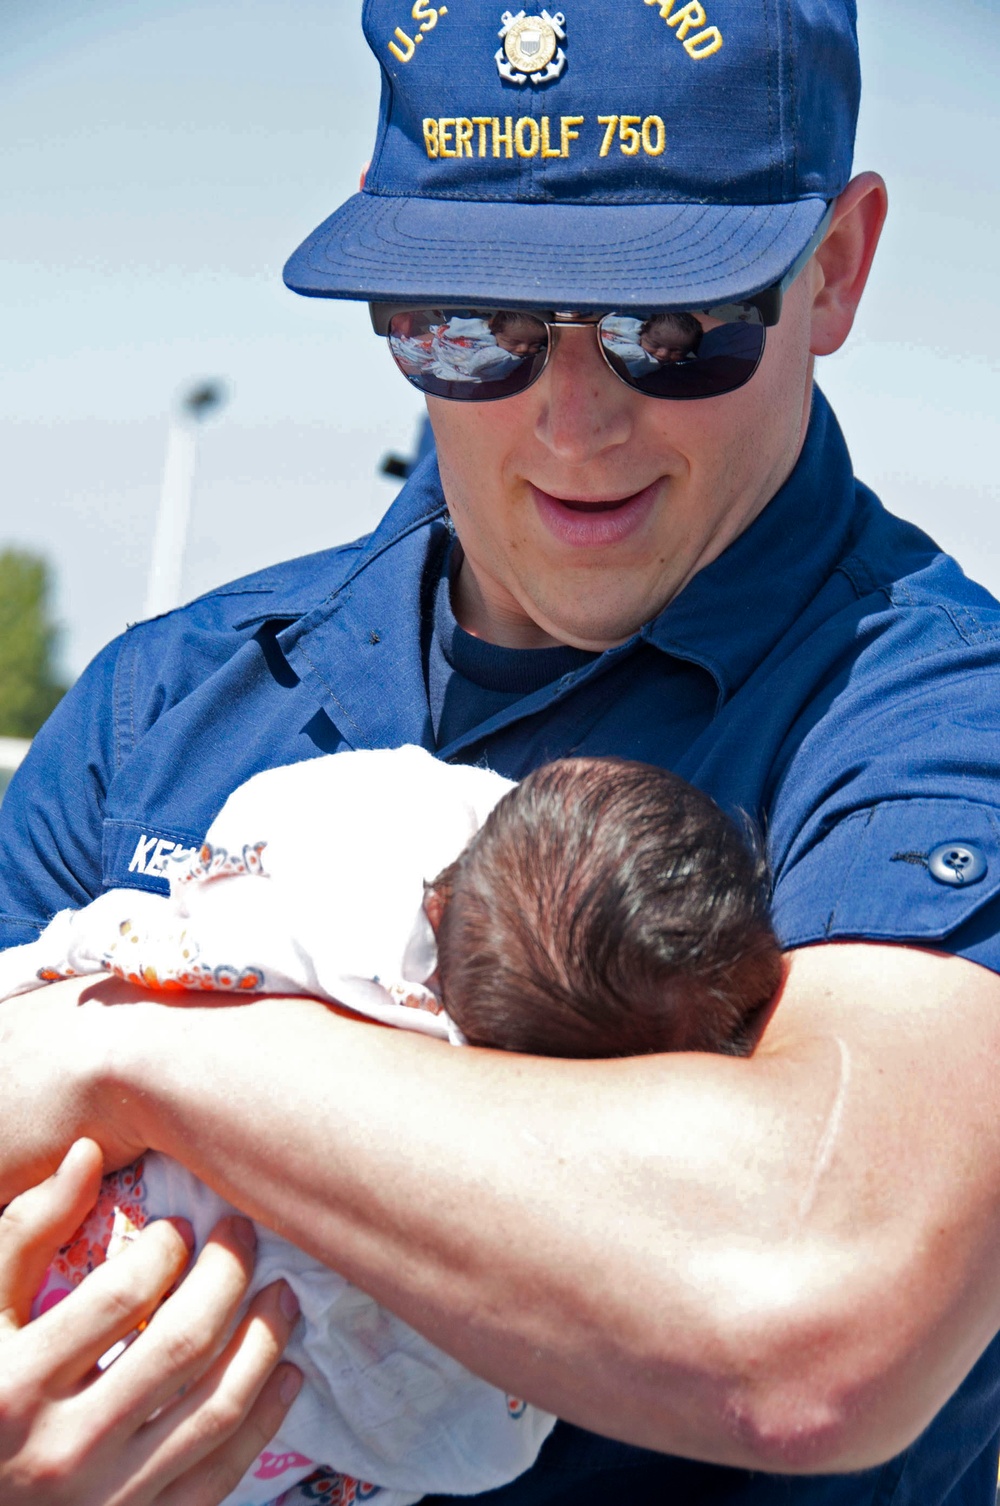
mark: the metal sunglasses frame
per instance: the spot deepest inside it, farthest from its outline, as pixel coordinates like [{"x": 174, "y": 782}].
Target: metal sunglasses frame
[{"x": 762, "y": 309}]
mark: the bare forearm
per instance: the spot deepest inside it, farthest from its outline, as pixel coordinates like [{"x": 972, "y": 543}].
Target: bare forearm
[
  {"x": 519, "y": 1230},
  {"x": 692, "y": 1253},
  {"x": 786, "y": 1262}
]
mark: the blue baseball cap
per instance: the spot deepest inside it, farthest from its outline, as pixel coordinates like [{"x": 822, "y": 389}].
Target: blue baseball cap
[{"x": 669, "y": 153}]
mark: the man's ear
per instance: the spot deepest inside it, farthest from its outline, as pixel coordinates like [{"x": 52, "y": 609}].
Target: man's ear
[{"x": 842, "y": 263}]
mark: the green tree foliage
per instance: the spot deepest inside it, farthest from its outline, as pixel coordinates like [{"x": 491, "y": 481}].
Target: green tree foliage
[{"x": 29, "y": 688}]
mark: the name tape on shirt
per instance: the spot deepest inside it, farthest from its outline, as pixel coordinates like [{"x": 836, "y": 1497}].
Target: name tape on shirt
[{"x": 152, "y": 854}]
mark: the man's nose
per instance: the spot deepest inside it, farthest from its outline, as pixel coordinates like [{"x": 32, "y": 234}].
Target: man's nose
[{"x": 583, "y": 408}]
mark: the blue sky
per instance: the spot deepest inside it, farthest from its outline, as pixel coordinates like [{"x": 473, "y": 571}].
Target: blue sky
[{"x": 160, "y": 160}]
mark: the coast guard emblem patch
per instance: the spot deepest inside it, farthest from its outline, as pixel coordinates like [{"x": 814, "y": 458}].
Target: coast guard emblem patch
[{"x": 531, "y": 50}]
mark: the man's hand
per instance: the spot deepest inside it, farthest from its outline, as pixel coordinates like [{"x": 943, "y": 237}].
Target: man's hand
[{"x": 178, "y": 1418}]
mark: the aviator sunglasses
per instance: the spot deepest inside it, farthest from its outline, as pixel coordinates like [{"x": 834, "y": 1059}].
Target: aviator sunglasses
[{"x": 477, "y": 354}]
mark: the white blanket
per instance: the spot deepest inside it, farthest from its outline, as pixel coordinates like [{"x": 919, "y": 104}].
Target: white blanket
[{"x": 311, "y": 881}]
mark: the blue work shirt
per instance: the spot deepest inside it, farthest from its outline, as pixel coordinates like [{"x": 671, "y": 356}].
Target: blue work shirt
[{"x": 832, "y": 673}]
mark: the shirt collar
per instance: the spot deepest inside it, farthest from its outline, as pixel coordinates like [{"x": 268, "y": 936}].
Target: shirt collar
[
  {"x": 725, "y": 620},
  {"x": 369, "y": 632},
  {"x": 734, "y": 611}
]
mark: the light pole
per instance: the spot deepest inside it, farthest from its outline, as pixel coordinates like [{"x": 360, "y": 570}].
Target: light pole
[{"x": 163, "y": 591}]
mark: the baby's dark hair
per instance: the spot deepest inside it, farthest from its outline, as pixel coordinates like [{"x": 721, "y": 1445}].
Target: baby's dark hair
[
  {"x": 684, "y": 324},
  {"x": 607, "y": 908},
  {"x": 504, "y": 318}
]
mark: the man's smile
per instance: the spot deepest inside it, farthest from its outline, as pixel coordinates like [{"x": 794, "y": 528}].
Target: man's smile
[{"x": 594, "y": 523}]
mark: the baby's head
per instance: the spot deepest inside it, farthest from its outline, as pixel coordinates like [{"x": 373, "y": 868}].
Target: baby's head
[
  {"x": 519, "y": 334},
  {"x": 606, "y": 908},
  {"x": 670, "y": 337}
]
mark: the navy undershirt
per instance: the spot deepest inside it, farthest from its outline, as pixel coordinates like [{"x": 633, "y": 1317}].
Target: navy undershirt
[{"x": 469, "y": 680}]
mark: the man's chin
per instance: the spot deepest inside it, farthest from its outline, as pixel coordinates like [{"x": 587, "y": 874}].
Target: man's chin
[{"x": 578, "y": 625}]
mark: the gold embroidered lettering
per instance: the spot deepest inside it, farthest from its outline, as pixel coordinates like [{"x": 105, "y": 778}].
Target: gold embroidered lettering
[
  {"x": 463, "y": 138},
  {"x": 547, "y": 149},
  {"x": 654, "y": 136},
  {"x": 567, "y": 133},
  {"x": 628, "y": 135},
  {"x": 446, "y": 124},
  {"x": 504, "y": 138},
  {"x": 704, "y": 44},
  {"x": 687, "y": 18},
  {"x": 634, "y": 133},
  {"x": 425, "y": 13},
  {"x": 519, "y": 146},
  {"x": 404, "y": 57},
  {"x": 610, "y": 122},
  {"x": 431, "y": 138},
  {"x": 482, "y": 121}
]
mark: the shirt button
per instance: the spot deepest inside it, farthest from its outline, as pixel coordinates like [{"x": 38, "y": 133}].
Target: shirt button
[{"x": 957, "y": 863}]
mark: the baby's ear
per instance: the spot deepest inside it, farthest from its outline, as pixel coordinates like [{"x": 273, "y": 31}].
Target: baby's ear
[{"x": 434, "y": 905}]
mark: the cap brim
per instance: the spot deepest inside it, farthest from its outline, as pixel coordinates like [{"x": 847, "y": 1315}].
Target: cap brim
[{"x": 587, "y": 257}]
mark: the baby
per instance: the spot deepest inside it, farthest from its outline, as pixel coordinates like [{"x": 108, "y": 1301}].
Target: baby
[
  {"x": 517, "y": 333},
  {"x": 599, "y": 908},
  {"x": 669, "y": 338},
  {"x": 467, "y": 349},
  {"x": 605, "y": 908}
]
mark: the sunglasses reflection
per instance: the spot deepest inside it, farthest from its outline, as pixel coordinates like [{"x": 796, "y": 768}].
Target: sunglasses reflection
[
  {"x": 465, "y": 347},
  {"x": 496, "y": 352},
  {"x": 644, "y": 345}
]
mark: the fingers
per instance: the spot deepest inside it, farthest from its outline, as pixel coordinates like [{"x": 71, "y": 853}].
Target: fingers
[
  {"x": 208, "y": 1438},
  {"x": 69, "y": 1339},
  {"x": 186, "y": 1334},
  {"x": 37, "y": 1223},
  {"x": 218, "y": 1474},
  {"x": 192, "y": 1451}
]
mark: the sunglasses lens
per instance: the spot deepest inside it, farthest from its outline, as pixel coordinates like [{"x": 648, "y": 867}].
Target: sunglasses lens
[
  {"x": 682, "y": 355},
  {"x": 474, "y": 355}
]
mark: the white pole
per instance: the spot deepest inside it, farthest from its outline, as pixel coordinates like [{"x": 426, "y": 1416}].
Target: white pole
[{"x": 163, "y": 592}]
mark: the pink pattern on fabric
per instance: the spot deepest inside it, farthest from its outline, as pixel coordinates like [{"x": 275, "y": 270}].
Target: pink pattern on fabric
[
  {"x": 123, "y": 1193},
  {"x": 270, "y": 1466},
  {"x": 48, "y": 1297},
  {"x": 120, "y": 1210}
]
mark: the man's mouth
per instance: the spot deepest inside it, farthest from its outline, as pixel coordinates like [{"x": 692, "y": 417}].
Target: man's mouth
[{"x": 594, "y": 522}]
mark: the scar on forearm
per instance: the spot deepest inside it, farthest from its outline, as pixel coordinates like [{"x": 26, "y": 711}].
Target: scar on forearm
[{"x": 828, "y": 1139}]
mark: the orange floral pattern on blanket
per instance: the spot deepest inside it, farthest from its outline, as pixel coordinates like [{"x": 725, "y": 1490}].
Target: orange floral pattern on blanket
[{"x": 184, "y": 969}]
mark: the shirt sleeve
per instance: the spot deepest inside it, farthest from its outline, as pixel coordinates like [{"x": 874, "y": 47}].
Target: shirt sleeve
[
  {"x": 886, "y": 823},
  {"x": 51, "y": 815}
]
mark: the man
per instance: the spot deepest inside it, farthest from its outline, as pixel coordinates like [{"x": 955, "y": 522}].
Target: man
[{"x": 772, "y": 1280}]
